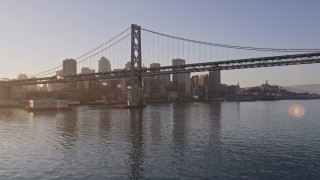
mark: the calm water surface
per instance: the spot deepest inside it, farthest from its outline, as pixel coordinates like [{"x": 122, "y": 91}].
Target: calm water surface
[{"x": 212, "y": 140}]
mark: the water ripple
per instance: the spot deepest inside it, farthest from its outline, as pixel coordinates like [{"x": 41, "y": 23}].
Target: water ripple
[{"x": 211, "y": 140}]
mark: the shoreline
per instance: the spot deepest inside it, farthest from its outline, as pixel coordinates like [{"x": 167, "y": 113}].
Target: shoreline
[{"x": 3, "y": 106}]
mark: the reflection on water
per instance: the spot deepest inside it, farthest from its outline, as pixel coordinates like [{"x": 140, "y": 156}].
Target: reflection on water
[
  {"x": 66, "y": 125},
  {"x": 136, "y": 139},
  {"x": 179, "y": 126},
  {"x": 205, "y": 140},
  {"x": 104, "y": 123}
]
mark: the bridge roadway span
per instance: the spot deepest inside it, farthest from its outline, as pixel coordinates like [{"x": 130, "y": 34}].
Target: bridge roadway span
[{"x": 285, "y": 60}]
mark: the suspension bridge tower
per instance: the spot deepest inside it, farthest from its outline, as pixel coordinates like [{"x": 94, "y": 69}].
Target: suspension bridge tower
[{"x": 136, "y": 92}]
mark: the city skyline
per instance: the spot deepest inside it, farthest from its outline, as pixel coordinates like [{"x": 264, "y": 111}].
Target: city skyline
[{"x": 37, "y": 39}]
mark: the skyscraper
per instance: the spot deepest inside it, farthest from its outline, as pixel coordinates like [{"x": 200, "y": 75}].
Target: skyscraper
[
  {"x": 86, "y": 70},
  {"x": 104, "y": 65},
  {"x": 22, "y": 76},
  {"x": 200, "y": 85},
  {"x": 128, "y": 65},
  {"x": 182, "y": 81},
  {"x": 57, "y": 86},
  {"x": 69, "y": 67},
  {"x": 154, "y": 65},
  {"x": 165, "y": 79},
  {"x": 59, "y": 73},
  {"x": 214, "y": 84}
]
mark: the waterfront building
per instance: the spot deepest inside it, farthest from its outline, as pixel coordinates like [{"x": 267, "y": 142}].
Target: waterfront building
[
  {"x": 165, "y": 81},
  {"x": 199, "y": 85},
  {"x": 152, "y": 84},
  {"x": 194, "y": 87},
  {"x": 214, "y": 84},
  {"x": 233, "y": 90},
  {"x": 181, "y": 82},
  {"x": 18, "y": 93},
  {"x": 84, "y": 85},
  {"x": 224, "y": 90},
  {"x": 104, "y": 65},
  {"x": 158, "y": 85},
  {"x": 57, "y": 86}
]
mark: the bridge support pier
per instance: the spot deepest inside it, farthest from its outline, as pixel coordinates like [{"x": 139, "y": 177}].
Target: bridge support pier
[{"x": 136, "y": 91}]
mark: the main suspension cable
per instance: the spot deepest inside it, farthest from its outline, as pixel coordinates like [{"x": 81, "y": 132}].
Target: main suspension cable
[{"x": 232, "y": 46}]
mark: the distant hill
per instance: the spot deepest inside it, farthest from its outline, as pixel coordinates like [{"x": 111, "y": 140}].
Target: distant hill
[{"x": 310, "y": 88}]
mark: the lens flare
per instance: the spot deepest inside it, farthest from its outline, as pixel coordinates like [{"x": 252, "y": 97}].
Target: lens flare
[{"x": 296, "y": 111}]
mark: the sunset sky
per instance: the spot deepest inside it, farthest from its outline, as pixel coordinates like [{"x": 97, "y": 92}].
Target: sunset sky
[{"x": 37, "y": 35}]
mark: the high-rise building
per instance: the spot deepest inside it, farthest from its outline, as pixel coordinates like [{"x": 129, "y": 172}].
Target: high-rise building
[
  {"x": 200, "y": 85},
  {"x": 104, "y": 65},
  {"x": 181, "y": 82},
  {"x": 22, "y": 76},
  {"x": 152, "y": 84},
  {"x": 59, "y": 73},
  {"x": 154, "y": 65},
  {"x": 86, "y": 70},
  {"x": 165, "y": 79},
  {"x": 69, "y": 67},
  {"x": 224, "y": 89},
  {"x": 214, "y": 84},
  {"x": 128, "y": 65},
  {"x": 234, "y": 90},
  {"x": 194, "y": 84},
  {"x": 57, "y": 86}
]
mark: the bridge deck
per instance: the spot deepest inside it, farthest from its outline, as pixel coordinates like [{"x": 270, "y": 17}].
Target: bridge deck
[{"x": 285, "y": 60}]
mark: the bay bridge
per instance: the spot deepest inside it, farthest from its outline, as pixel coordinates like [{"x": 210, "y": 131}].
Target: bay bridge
[{"x": 161, "y": 48}]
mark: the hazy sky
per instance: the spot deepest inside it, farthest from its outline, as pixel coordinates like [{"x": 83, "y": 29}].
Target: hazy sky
[{"x": 38, "y": 34}]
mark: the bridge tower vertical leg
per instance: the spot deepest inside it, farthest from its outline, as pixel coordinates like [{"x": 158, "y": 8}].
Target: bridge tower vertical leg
[{"x": 136, "y": 92}]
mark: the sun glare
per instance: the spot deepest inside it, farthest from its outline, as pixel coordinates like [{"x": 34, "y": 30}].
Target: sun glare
[{"x": 296, "y": 111}]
